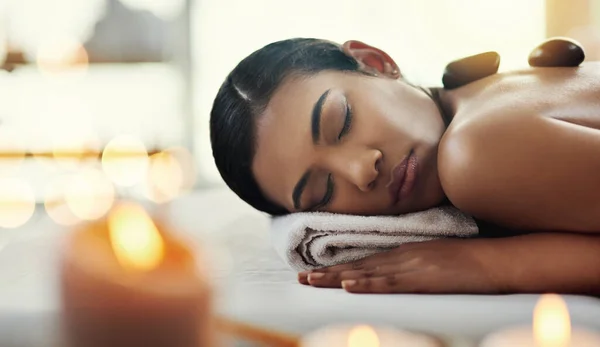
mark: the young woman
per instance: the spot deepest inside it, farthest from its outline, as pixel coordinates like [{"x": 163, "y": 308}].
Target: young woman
[{"x": 310, "y": 125}]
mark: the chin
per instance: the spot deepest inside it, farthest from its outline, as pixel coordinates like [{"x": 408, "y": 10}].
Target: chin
[
  {"x": 431, "y": 197},
  {"x": 434, "y": 195}
]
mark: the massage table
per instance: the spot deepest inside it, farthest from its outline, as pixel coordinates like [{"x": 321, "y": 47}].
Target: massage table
[{"x": 253, "y": 284}]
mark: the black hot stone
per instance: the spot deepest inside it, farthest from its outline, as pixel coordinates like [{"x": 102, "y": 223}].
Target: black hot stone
[
  {"x": 466, "y": 70},
  {"x": 557, "y": 52}
]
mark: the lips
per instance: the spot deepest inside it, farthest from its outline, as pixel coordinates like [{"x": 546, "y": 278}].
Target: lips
[{"x": 403, "y": 178}]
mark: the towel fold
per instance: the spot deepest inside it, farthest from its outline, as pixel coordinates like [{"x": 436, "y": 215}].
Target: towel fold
[{"x": 311, "y": 240}]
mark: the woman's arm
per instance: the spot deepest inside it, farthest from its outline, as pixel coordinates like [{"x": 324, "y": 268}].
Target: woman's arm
[{"x": 534, "y": 263}]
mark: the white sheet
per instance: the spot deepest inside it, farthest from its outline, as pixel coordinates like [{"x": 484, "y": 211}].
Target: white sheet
[{"x": 256, "y": 286}]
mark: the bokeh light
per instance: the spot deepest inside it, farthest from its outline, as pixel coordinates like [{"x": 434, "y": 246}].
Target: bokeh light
[
  {"x": 125, "y": 160},
  {"x": 56, "y": 203},
  {"x": 62, "y": 129},
  {"x": 33, "y": 22},
  {"x": 58, "y": 55},
  {"x": 17, "y": 202},
  {"x": 363, "y": 336},
  {"x": 69, "y": 148},
  {"x": 90, "y": 194},
  {"x": 12, "y": 150},
  {"x": 165, "y": 9},
  {"x": 551, "y": 322},
  {"x": 164, "y": 178},
  {"x": 188, "y": 168},
  {"x": 39, "y": 144}
]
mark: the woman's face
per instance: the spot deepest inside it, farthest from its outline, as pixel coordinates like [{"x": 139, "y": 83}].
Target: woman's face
[{"x": 349, "y": 143}]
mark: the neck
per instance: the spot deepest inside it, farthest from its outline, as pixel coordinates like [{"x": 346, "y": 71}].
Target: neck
[{"x": 445, "y": 101}]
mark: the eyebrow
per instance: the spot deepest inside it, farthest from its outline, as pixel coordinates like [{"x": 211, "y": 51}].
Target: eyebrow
[{"x": 316, "y": 116}]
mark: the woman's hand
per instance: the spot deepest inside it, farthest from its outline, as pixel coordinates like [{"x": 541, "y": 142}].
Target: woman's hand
[
  {"x": 565, "y": 263},
  {"x": 440, "y": 266}
]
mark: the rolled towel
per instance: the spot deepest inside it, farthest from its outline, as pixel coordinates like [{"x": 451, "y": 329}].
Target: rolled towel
[{"x": 311, "y": 240}]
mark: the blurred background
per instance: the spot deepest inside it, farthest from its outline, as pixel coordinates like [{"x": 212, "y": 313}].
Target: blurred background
[{"x": 109, "y": 98}]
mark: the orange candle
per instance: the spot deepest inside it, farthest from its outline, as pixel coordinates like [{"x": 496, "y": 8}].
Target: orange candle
[{"x": 126, "y": 282}]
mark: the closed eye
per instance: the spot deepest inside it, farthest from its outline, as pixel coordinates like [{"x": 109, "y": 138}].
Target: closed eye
[
  {"x": 347, "y": 121},
  {"x": 345, "y": 129},
  {"x": 329, "y": 192},
  {"x": 328, "y": 195}
]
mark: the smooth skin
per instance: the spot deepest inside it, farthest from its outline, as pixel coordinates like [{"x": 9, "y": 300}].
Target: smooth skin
[
  {"x": 522, "y": 151},
  {"x": 534, "y": 263}
]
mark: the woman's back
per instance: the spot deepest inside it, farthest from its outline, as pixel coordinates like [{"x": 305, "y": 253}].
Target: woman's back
[
  {"x": 523, "y": 149},
  {"x": 571, "y": 94}
]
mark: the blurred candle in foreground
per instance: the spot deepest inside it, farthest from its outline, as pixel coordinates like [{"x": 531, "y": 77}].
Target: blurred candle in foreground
[
  {"x": 127, "y": 282},
  {"x": 366, "y": 336},
  {"x": 551, "y": 328}
]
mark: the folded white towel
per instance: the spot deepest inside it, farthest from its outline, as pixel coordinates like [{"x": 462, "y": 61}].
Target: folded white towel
[{"x": 311, "y": 240}]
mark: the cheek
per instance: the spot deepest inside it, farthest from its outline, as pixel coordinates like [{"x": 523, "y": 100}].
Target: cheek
[
  {"x": 416, "y": 116},
  {"x": 383, "y": 122},
  {"x": 277, "y": 166},
  {"x": 350, "y": 200}
]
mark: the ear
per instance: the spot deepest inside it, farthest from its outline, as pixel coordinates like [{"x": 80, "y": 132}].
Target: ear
[{"x": 372, "y": 60}]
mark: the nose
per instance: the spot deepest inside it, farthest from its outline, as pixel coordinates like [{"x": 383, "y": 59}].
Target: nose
[{"x": 361, "y": 168}]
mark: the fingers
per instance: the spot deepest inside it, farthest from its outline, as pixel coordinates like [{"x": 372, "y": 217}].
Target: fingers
[
  {"x": 356, "y": 265},
  {"x": 334, "y": 279},
  {"x": 303, "y": 277},
  {"x": 373, "y": 260},
  {"x": 391, "y": 284},
  {"x": 357, "y": 269},
  {"x": 380, "y": 285},
  {"x": 333, "y": 272},
  {"x": 385, "y": 281},
  {"x": 325, "y": 280}
]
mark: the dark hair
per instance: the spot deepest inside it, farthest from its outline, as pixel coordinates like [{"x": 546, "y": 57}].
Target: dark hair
[{"x": 245, "y": 95}]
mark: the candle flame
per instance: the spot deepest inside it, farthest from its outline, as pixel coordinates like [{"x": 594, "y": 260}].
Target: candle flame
[
  {"x": 363, "y": 336},
  {"x": 551, "y": 322},
  {"x": 136, "y": 241}
]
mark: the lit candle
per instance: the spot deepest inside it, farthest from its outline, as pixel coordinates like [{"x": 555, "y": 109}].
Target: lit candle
[
  {"x": 126, "y": 282},
  {"x": 551, "y": 328},
  {"x": 366, "y": 336}
]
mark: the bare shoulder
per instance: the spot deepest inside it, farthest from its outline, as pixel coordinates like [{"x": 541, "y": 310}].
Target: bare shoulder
[
  {"x": 474, "y": 152},
  {"x": 524, "y": 146}
]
